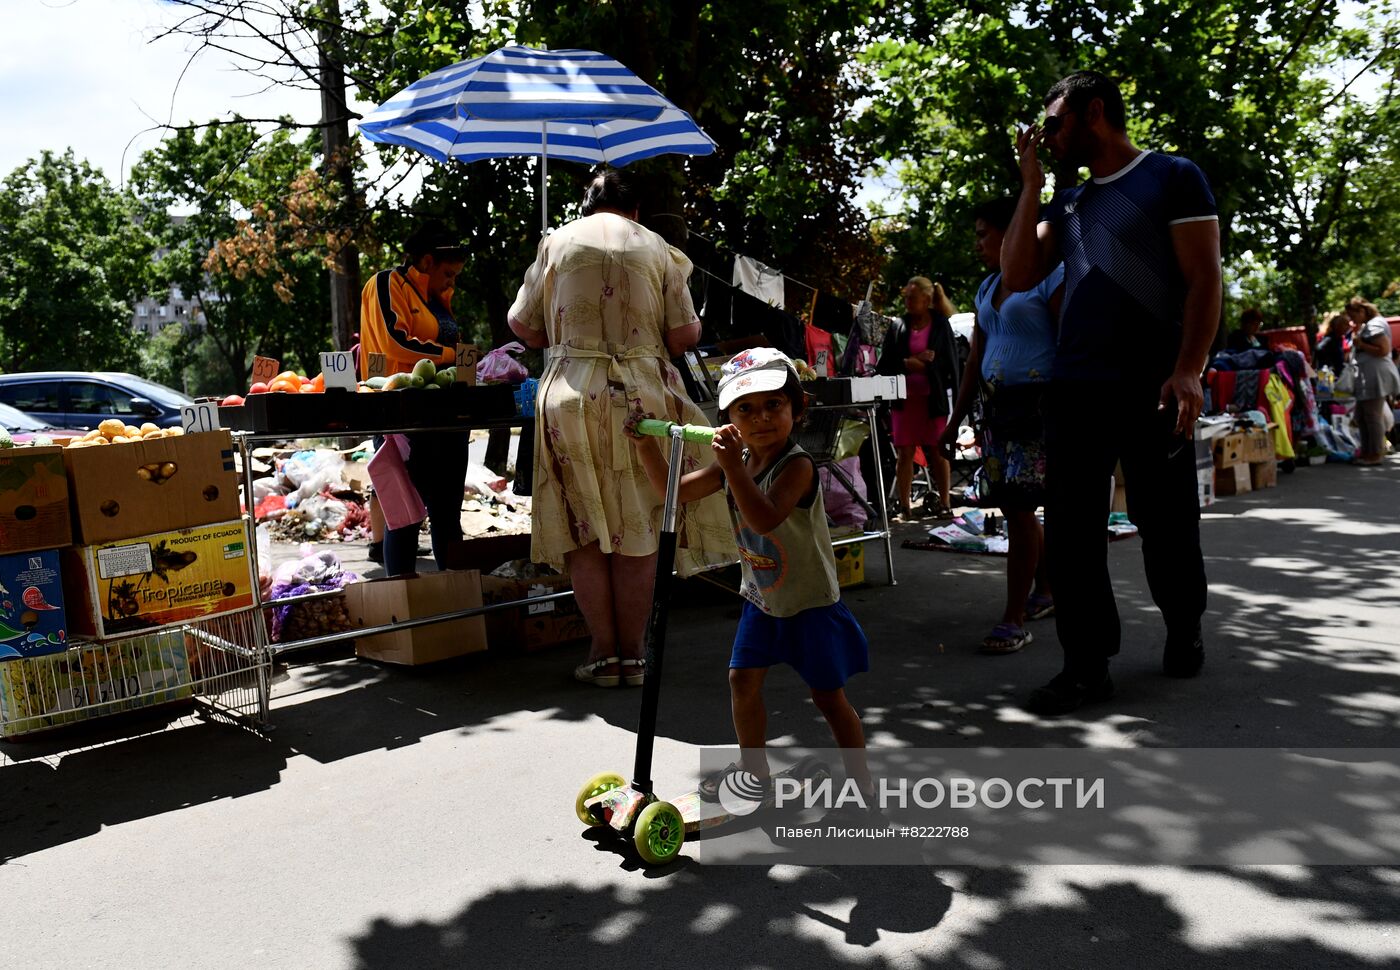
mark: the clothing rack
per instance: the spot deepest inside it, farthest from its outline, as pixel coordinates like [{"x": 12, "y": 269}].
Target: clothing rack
[{"x": 732, "y": 252}]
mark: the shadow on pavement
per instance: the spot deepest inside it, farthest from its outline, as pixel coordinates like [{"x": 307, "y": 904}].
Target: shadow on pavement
[
  {"x": 785, "y": 917},
  {"x": 1301, "y": 652}
]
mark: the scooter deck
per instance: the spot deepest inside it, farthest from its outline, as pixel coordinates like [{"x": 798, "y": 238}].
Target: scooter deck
[{"x": 619, "y": 808}]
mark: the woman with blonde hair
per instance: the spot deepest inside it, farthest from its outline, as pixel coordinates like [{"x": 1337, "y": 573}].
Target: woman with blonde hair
[
  {"x": 1376, "y": 378},
  {"x": 920, "y": 346}
]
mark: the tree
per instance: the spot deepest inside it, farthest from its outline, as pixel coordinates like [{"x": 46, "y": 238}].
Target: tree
[
  {"x": 297, "y": 43},
  {"x": 73, "y": 260},
  {"x": 805, "y": 100},
  {"x": 1236, "y": 85},
  {"x": 242, "y": 253}
]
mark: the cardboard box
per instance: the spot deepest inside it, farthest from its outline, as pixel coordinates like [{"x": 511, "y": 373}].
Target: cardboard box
[
  {"x": 485, "y": 553},
  {"x": 1229, "y": 451},
  {"x": 1232, "y": 481},
  {"x": 45, "y": 692},
  {"x": 850, "y": 564},
  {"x": 1263, "y": 474},
  {"x": 118, "y": 495},
  {"x": 33, "y": 621},
  {"x": 158, "y": 580},
  {"x": 536, "y": 626},
  {"x": 1258, "y": 445},
  {"x": 382, "y": 601},
  {"x": 33, "y": 500}
]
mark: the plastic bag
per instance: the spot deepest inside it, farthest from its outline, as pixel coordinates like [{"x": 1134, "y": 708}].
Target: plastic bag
[
  {"x": 319, "y": 569},
  {"x": 850, "y": 435},
  {"x": 842, "y": 508},
  {"x": 499, "y": 367},
  {"x": 325, "y": 509},
  {"x": 393, "y": 489},
  {"x": 483, "y": 481},
  {"x": 310, "y": 472}
]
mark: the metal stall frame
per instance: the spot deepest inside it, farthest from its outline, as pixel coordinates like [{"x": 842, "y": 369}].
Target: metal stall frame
[
  {"x": 220, "y": 662},
  {"x": 246, "y": 440}
]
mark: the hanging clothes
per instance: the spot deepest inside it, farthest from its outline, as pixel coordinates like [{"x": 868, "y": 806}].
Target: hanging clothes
[
  {"x": 758, "y": 280},
  {"x": 1222, "y": 388},
  {"x": 1248, "y": 389},
  {"x": 820, "y": 352},
  {"x": 832, "y": 313},
  {"x": 782, "y": 330},
  {"x": 1280, "y": 400}
]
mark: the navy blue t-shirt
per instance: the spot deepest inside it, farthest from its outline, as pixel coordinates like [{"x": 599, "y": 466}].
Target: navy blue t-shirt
[{"x": 1124, "y": 292}]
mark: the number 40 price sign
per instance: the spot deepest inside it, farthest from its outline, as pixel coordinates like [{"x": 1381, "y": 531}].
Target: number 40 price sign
[{"x": 339, "y": 368}]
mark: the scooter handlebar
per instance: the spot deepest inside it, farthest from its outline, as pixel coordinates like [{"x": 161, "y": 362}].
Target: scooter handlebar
[{"x": 662, "y": 429}]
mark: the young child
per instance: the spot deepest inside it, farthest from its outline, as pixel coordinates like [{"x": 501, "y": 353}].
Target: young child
[{"x": 792, "y": 612}]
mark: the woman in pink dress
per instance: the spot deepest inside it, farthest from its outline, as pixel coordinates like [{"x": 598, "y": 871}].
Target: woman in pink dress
[{"x": 920, "y": 346}]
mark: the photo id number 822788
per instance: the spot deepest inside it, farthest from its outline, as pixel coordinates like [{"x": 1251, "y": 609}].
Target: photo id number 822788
[{"x": 935, "y": 831}]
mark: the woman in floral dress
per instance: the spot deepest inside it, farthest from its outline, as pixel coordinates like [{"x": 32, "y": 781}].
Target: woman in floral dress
[{"x": 609, "y": 299}]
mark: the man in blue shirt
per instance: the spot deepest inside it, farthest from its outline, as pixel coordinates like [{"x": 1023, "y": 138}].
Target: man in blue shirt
[{"x": 1140, "y": 243}]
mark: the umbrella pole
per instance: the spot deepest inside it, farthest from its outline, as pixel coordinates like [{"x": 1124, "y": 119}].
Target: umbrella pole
[{"x": 544, "y": 178}]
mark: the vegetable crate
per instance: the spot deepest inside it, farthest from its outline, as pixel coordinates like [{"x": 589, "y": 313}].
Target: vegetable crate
[{"x": 220, "y": 663}]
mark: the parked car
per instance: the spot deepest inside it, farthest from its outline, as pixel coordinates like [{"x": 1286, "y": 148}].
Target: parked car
[
  {"x": 76, "y": 399},
  {"x": 22, "y": 428}
]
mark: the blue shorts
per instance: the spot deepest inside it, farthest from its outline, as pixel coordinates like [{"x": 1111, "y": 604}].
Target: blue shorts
[{"x": 825, "y": 644}]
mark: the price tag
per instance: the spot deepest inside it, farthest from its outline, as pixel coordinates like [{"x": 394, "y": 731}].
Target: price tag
[
  {"x": 467, "y": 357},
  {"x": 265, "y": 369},
  {"x": 378, "y": 365},
  {"x": 199, "y": 417},
  {"x": 339, "y": 369}
]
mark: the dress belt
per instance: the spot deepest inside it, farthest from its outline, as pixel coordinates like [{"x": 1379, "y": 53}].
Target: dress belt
[{"x": 616, "y": 355}]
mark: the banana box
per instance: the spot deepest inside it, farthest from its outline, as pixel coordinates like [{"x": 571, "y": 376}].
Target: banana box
[
  {"x": 37, "y": 693},
  {"x": 33, "y": 500},
  {"x": 32, "y": 618},
  {"x": 130, "y": 585}
]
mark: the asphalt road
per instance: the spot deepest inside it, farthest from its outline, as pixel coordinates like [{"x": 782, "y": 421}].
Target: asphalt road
[{"x": 423, "y": 818}]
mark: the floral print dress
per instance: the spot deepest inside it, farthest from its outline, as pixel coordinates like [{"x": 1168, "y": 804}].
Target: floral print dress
[{"x": 605, "y": 291}]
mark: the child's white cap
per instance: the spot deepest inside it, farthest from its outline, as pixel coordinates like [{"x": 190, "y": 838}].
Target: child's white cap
[{"x": 753, "y": 371}]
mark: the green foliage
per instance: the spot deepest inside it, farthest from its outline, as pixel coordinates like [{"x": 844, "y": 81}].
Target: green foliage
[
  {"x": 1289, "y": 111},
  {"x": 233, "y": 253},
  {"x": 72, "y": 261},
  {"x": 1250, "y": 90}
]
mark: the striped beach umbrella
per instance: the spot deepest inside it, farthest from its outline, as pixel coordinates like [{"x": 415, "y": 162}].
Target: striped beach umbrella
[{"x": 577, "y": 105}]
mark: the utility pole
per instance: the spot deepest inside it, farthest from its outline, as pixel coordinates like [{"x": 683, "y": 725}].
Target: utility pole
[{"x": 335, "y": 140}]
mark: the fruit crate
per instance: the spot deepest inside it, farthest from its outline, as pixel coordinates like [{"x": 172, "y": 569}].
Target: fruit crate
[
  {"x": 297, "y": 413},
  {"x": 458, "y": 405}
]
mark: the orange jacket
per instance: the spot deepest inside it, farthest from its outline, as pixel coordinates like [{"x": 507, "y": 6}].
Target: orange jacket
[{"x": 397, "y": 321}]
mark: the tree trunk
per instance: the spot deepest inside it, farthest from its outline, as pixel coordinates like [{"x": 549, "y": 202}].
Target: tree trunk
[{"x": 335, "y": 140}]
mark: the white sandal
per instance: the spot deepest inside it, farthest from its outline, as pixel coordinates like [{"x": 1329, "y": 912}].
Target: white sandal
[
  {"x": 634, "y": 671},
  {"x": 589, "y": 673}
]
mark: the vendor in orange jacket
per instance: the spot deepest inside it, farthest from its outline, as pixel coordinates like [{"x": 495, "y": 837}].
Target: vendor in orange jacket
[
  {"x": 406, "y": 312},
  {"x": 406, "y": 315}
]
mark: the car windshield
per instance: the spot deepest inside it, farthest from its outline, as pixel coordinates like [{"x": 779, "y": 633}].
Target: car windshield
[
  {"x": 157, "y": 393},
  {"x": 13, "y": 420}
]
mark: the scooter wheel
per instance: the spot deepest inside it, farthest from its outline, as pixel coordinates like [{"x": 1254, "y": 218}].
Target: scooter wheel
[
  {"x": 659, "y": 833},
  {"x": 592, "y": 788}
]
